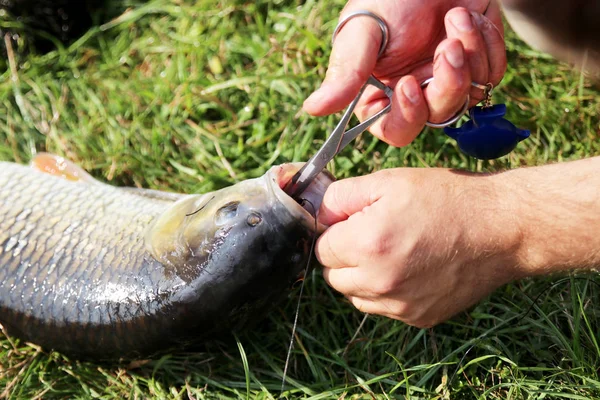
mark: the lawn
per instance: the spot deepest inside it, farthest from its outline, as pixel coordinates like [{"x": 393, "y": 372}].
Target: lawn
[{"x": 194, "y": 96}]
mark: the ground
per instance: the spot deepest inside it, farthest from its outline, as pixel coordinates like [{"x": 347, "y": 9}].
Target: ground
[{"x": 193, "y": 96}]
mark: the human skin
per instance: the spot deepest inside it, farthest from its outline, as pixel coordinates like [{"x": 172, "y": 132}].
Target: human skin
[
  {"x": 438, "y": 38},
  {"x": 421, "y": 245}
]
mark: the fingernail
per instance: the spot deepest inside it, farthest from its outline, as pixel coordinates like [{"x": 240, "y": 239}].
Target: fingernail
[
  {"x": 484, "y": 23},
  {"x": 411, "y": 91},
  {"x": 454, "y": 55},
  {"x": 462, "y": 21},
  {"x": 480, "y": 20}
]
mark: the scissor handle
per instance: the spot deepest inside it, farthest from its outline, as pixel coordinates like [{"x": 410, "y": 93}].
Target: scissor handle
[
  {"x": 338, "y": 139},
  {"x": 352, "y": 133}
]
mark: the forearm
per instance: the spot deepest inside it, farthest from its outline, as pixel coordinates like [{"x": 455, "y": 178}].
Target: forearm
[{"x": 557, "y": 211}]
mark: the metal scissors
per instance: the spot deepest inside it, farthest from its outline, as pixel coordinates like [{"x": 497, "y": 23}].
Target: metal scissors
[{"x": 338, "y": 139}]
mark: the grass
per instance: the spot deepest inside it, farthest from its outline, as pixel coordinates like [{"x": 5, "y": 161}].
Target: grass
[{"x": 194, "y": 96}]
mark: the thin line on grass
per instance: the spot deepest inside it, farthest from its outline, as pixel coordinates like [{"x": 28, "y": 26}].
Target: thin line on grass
[{"x": 295, "y": 325}]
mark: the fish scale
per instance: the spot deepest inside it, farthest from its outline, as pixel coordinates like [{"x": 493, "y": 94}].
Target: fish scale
[
  {"x": 94, "y": 270},
  {"x": 41, "y": 193}
]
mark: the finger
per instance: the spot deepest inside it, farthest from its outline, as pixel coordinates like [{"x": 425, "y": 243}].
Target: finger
[
  {"x": 378, "y": 307},
  {"x": 406, "y": 118},
  {"x": 346, "y": 197},
  {"x": 460, "y": 25},
  {"x": 352, "y": 60},
  {"x": 338, "y": 246},
  {"x": 357, "y": 238},
  {"x": 494, "y": 14},
  {"x": 494, "y": 41},
  {"x": 348, "y": 281},
  {"x": 446, "y": 94}
]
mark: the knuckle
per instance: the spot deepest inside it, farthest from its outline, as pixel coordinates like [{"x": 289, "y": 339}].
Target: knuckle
[
  {"x": 357, "y": 74},
  {"x": 457, "y": 87},
  {"x": 400, "y": 309},
  {"x": 423, "y": 318},
  {"x": 385, "y": 287},
  {"x": 327, "y": 277},
  {"x": 376, "y": 245},
  {"x": 336, "y": 194},
  {"x": 454, "y": 13},
  {"x": 339, "y": 69},
  {"x": 397, "y": 310},
  {"x": 337, "y": 191},
  {"x": 358, "y": 304}
]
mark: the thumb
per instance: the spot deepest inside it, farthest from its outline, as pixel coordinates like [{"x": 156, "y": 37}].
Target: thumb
[
  {"x": 349, "y": 196},
  {"x": 352, "y": 60}
]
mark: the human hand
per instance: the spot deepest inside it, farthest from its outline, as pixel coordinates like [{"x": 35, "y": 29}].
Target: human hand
[
  {"x": 418, "y": 245},
  {"x": 438, "y": 38}
]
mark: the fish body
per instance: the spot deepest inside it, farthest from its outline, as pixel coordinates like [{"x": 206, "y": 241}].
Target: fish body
[{"x": 93, "y": 270}]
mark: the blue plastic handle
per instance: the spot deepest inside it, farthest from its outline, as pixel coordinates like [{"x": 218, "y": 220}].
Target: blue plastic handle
[{"x": 488, "y": 135}]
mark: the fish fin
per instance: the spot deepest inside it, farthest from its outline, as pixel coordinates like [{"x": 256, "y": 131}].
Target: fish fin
[
  {"x": 154, "y": 194},
  {"x": 61, "y": 167}
]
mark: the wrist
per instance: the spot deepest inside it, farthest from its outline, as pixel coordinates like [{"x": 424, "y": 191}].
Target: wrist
[
  {"x": 495, "y": 222},
  {"x": 491, "y": 240}
]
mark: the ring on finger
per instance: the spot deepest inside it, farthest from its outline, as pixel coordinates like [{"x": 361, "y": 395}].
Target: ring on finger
[
  {"x": 380, "y": 22},
  {"x": 453, "y": 119},
  {"x": 487, "y": 89}
]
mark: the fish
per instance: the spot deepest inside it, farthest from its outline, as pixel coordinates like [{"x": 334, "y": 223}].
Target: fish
[{"x": 93, "y": 270}]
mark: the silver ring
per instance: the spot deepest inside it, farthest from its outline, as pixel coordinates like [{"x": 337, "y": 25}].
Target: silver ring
[
  {"x": 480, "y": 86},
  {"x": 455, "y": 117},
  {"x": 380, "y": 22},
  {"x": 487, "y": 88}
]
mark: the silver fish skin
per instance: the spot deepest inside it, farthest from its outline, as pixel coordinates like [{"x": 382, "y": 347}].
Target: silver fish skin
[{"x": 96, "y": 271}]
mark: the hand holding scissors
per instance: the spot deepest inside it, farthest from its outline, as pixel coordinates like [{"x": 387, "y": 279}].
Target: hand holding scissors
[
  {"x": 504, "y": 141},
  {"x": 426, "y": 39}
]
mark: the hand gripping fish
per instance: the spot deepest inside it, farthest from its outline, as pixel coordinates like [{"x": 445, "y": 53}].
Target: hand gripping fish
[{"x": 93, "y": 270}]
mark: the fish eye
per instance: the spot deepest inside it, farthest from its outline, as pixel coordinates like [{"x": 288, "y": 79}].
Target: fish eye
[
  {"x": 227, "y": 212},
  {"x": 254, "y": 219}
]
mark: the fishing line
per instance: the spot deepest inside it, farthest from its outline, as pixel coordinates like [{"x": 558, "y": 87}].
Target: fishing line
[
  {"x": 295, "y": 325},
  {"x": 201, "y": 208},
  {"x": 523, "y": 315}
]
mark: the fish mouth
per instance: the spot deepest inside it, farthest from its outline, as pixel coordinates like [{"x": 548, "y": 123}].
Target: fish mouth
[{"x": 307, "y": 206}]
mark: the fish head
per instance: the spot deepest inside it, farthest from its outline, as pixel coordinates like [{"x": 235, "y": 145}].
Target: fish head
[{"x": 238, "y": 249}]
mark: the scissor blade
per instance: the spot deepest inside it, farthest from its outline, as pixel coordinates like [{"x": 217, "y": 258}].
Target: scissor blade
[
  {"x": 351, "y": 134},
  {"x": 302, "y": 179},
  {"x": 336, "y": 142},
  {"x": 309, "y": 171}
]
